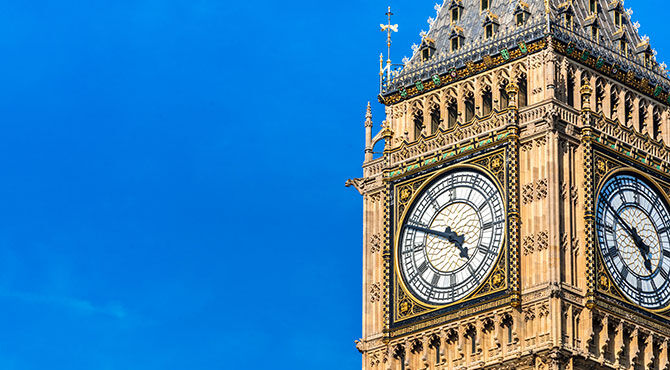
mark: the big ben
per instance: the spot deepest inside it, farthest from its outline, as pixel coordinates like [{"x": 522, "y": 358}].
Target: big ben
[{"x": 518, "y": 215}]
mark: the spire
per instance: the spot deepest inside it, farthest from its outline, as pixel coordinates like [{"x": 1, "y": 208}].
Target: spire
[
  {"x": 368, "y": 134},
  {"x": 368, "y": 116}
]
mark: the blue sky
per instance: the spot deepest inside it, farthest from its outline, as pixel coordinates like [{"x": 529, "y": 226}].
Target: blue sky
[{"x": 173, "y": 180}]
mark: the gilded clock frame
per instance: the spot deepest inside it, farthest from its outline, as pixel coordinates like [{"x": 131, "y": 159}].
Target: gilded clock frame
[
  {"x": 607, "y": 163},
  {"x": 495, "y": 163}
]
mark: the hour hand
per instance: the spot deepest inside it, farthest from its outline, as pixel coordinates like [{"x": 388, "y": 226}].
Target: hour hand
[
  {"x": 447, "y": 234},
  {"x": 457, "y": 240},
  {"x": 643, "y": 248}
]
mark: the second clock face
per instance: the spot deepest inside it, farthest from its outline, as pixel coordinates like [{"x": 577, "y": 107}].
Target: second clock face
[
  {"x": 632, "y": 224},
  {"x": 451, "y": 238}
]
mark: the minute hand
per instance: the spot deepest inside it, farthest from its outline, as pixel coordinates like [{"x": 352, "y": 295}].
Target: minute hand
[
  {"x": 639, "y": 243},
  {"x": 447, "y": 234}
]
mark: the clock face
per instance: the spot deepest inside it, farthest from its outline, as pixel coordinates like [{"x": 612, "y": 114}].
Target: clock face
[
  {"x": 632, "y": 224},
  {"x": 451, "y": 238}
]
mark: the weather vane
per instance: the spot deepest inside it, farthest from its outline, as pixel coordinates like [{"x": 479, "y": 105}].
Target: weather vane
[{"x": 388, "y": 28}]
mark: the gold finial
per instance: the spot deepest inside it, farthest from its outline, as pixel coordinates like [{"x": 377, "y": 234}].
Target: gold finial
[{"x": 388, "y": 28}]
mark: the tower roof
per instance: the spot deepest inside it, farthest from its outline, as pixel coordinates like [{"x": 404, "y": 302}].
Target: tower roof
[{"x": 487, "y": 27}]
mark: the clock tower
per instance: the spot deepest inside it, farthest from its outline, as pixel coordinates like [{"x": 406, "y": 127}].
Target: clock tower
[{"x": 517, "y": 215}]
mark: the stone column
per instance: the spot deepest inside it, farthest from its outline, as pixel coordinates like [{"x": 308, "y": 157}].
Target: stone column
[
  {"x": 585, "y": 93},
  {"x": 577, "y": 84},
  {"x": 550, "y": 74}
]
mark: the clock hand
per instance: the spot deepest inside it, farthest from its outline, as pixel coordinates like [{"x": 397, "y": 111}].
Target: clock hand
[
  {"x": 620, "y": 220},
  {"x": 639, "y": 243},
  {"x": 458, "y": 241},
  {"x": 451, "y": 236},
  {"x": 643, "y": 248}
]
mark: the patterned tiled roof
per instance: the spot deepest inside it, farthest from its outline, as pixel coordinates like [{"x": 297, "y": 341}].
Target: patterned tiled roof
[{"x": 541, "y": 18}]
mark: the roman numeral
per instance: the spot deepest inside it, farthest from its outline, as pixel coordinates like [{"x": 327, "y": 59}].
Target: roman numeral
[
  {"x": 666, "y": 253},
  {"x": 417, "y": 248},
  {"x": 417, "y": 222},
  {"x": 612, "y": 252},
  {"x": 624, "y": 273},
  {"x": 489, "y": 225},
  {"x": 423, "y": 268},
  {"x": 484, "y": 249},
  {"x": 653, "y": 285},
  {"x": 436, "y": 278}
]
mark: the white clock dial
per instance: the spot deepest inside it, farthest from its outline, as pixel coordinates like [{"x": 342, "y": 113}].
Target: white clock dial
[
  {"x": 451, "y": 238},
  {"x": 632, "y": 223}
]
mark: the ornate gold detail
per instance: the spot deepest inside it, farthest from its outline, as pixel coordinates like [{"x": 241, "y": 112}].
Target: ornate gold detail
[
  {"x": 494, "y": 164},
  {"x": 406, "y": 307},
  {"x": 405, "y": 194}
]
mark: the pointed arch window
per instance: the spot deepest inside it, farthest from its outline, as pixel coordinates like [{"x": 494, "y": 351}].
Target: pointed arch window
[
  {"x": 618, "y": 18},
  {"x": 593, "y": 6},
  {"x": 571, "y": 91},
  {"x": 469, "y": 109},
  {"x": 508, "y": 323},
  {"x": 490, "y": 25},
  {"x": 504, "y": 98},
  {"x": 521, "y": 14},
  {"x": 418, "y": 124},
  {"x": 487, "y": 102},
  {"x": 489, "y": 31},
  {"x": 520, "y": 19},
  {"x": 623, "y": 47},
  {"x": 486, "y": 4},
  {"x": 435, "y": 344},
  {"x": 455, "y": 43},
  {"x": 456, "y": 10},
  {"x": 452, "y": 115},
  {"x": 647, "y": 60},
  {"x": 568, "y": 20},
  {"x": 595, "y": 32},
  {"x": 435, "y": 119},
  {"x": 523, "y": 92}
]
